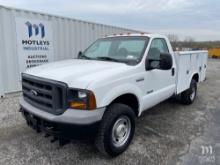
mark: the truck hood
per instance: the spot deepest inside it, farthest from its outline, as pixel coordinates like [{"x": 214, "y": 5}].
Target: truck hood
[{"x": 77, "y": 73}]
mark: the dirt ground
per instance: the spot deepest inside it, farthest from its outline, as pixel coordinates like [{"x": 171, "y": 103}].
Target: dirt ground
[{"x": 169, "y": 133}]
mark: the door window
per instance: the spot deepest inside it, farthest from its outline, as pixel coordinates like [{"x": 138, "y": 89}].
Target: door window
[
  {"x": 157, "y": 47},
  {"x": 160, "y": 44}
]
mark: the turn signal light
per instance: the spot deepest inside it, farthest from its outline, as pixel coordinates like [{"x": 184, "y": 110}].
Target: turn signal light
[{"x": 76, "y": 105}]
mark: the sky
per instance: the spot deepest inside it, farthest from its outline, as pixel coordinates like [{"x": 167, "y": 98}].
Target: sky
[{"x": 199, "y": 19}]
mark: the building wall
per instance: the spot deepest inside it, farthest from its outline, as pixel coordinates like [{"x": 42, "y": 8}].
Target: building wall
[{"x": 69, "y": 37}]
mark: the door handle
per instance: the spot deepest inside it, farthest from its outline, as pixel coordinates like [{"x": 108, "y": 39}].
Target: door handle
[{"x": 173, "y": 71}]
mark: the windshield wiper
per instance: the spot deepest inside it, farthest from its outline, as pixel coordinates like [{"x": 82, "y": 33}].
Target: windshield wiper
[
  {"x": 100, "y": 58},
  {"x": 108, "y": 59}
]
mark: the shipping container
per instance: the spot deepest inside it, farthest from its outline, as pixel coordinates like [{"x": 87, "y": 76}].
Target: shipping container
[
  {"x": 31, "y": 38},
  {"x": 214, "y": 52}
]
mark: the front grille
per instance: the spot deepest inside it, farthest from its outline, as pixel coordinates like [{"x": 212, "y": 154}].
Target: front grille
[{"x": 47, "y": 95}]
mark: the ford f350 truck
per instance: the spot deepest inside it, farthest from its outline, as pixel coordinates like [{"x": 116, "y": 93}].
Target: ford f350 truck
[{"x": 108, "y": 86}]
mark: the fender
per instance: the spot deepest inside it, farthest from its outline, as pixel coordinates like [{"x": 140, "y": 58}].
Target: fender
[
  {"x": 119, "y": 91},
  {"x": 192, "y": 77}
]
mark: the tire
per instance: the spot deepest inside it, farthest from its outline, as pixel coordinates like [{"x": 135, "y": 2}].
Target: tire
[
  {"x": 188, "y": 96},
  {"x": 116, "y": 116}
]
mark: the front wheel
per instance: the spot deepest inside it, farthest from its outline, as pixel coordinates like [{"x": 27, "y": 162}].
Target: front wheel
[
  {"x": 188, "y": 96},
  {"x": 116, "y": 130}
]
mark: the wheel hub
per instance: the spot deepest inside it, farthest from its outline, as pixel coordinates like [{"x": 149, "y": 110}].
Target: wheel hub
[{"x": 121, "y": 131}]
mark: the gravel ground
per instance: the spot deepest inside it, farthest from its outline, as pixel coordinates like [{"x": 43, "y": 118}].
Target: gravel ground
[{"x": 169, "y": 133}]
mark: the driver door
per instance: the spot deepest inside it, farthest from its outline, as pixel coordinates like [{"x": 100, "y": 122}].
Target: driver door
[{"x": 159, "y": 84}]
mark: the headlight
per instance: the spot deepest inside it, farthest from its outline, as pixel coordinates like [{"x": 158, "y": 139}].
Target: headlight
[{"x": 81, "y": 99}]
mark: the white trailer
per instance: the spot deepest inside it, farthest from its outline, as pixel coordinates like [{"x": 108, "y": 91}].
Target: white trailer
[{"x": 66, "y": 37}]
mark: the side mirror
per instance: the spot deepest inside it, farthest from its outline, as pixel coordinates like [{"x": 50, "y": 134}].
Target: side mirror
[
  {"x": 151, "y": 64},
  {"x": 166, "y": 61}
]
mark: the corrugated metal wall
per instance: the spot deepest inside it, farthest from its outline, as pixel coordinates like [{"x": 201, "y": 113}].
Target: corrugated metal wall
[
  {"x": 1, "y": 59},
  {"x": 69, "y": 37}
]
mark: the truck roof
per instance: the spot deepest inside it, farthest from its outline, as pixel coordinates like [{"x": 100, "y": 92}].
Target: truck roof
[{"x": 151, "y": 35}]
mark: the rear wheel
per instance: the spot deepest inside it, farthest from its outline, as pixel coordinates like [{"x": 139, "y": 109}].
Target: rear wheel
[
  {"x": 116, "y": 130},
  {"x": 188, "y": 96}
]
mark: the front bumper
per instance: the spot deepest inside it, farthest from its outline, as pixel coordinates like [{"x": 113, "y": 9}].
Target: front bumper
[
  {"x": 76, "y": 124},
  {"x": 60, "y": 131},
  {"x": 70, "y": 116}
]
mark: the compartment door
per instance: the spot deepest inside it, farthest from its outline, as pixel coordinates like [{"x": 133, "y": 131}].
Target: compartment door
[
  {"x": 184, "y": 62},
  {"x": 203, "y": 66}
]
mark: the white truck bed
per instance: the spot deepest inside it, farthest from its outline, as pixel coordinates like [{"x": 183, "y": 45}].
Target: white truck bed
[{"x": 188, "y": 63}]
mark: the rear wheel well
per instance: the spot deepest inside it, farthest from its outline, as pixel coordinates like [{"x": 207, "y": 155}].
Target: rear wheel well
[
  {"x": 196, "y": 77},
  {"x": 129, "y": 100}
]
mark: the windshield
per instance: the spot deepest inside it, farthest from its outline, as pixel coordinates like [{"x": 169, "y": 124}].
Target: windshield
[{"x": 117, "y": 49}]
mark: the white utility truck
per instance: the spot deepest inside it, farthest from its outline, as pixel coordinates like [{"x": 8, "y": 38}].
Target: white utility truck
[{"x": 109, "y": 85}]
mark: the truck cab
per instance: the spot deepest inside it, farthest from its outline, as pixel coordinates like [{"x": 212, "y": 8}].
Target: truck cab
[{"x": 109, "y": 85}]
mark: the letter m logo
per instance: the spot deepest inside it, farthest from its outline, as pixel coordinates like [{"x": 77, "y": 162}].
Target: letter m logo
[
  {"x": 34, "y": 29},
  {"x": 207, "y": 150}
]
